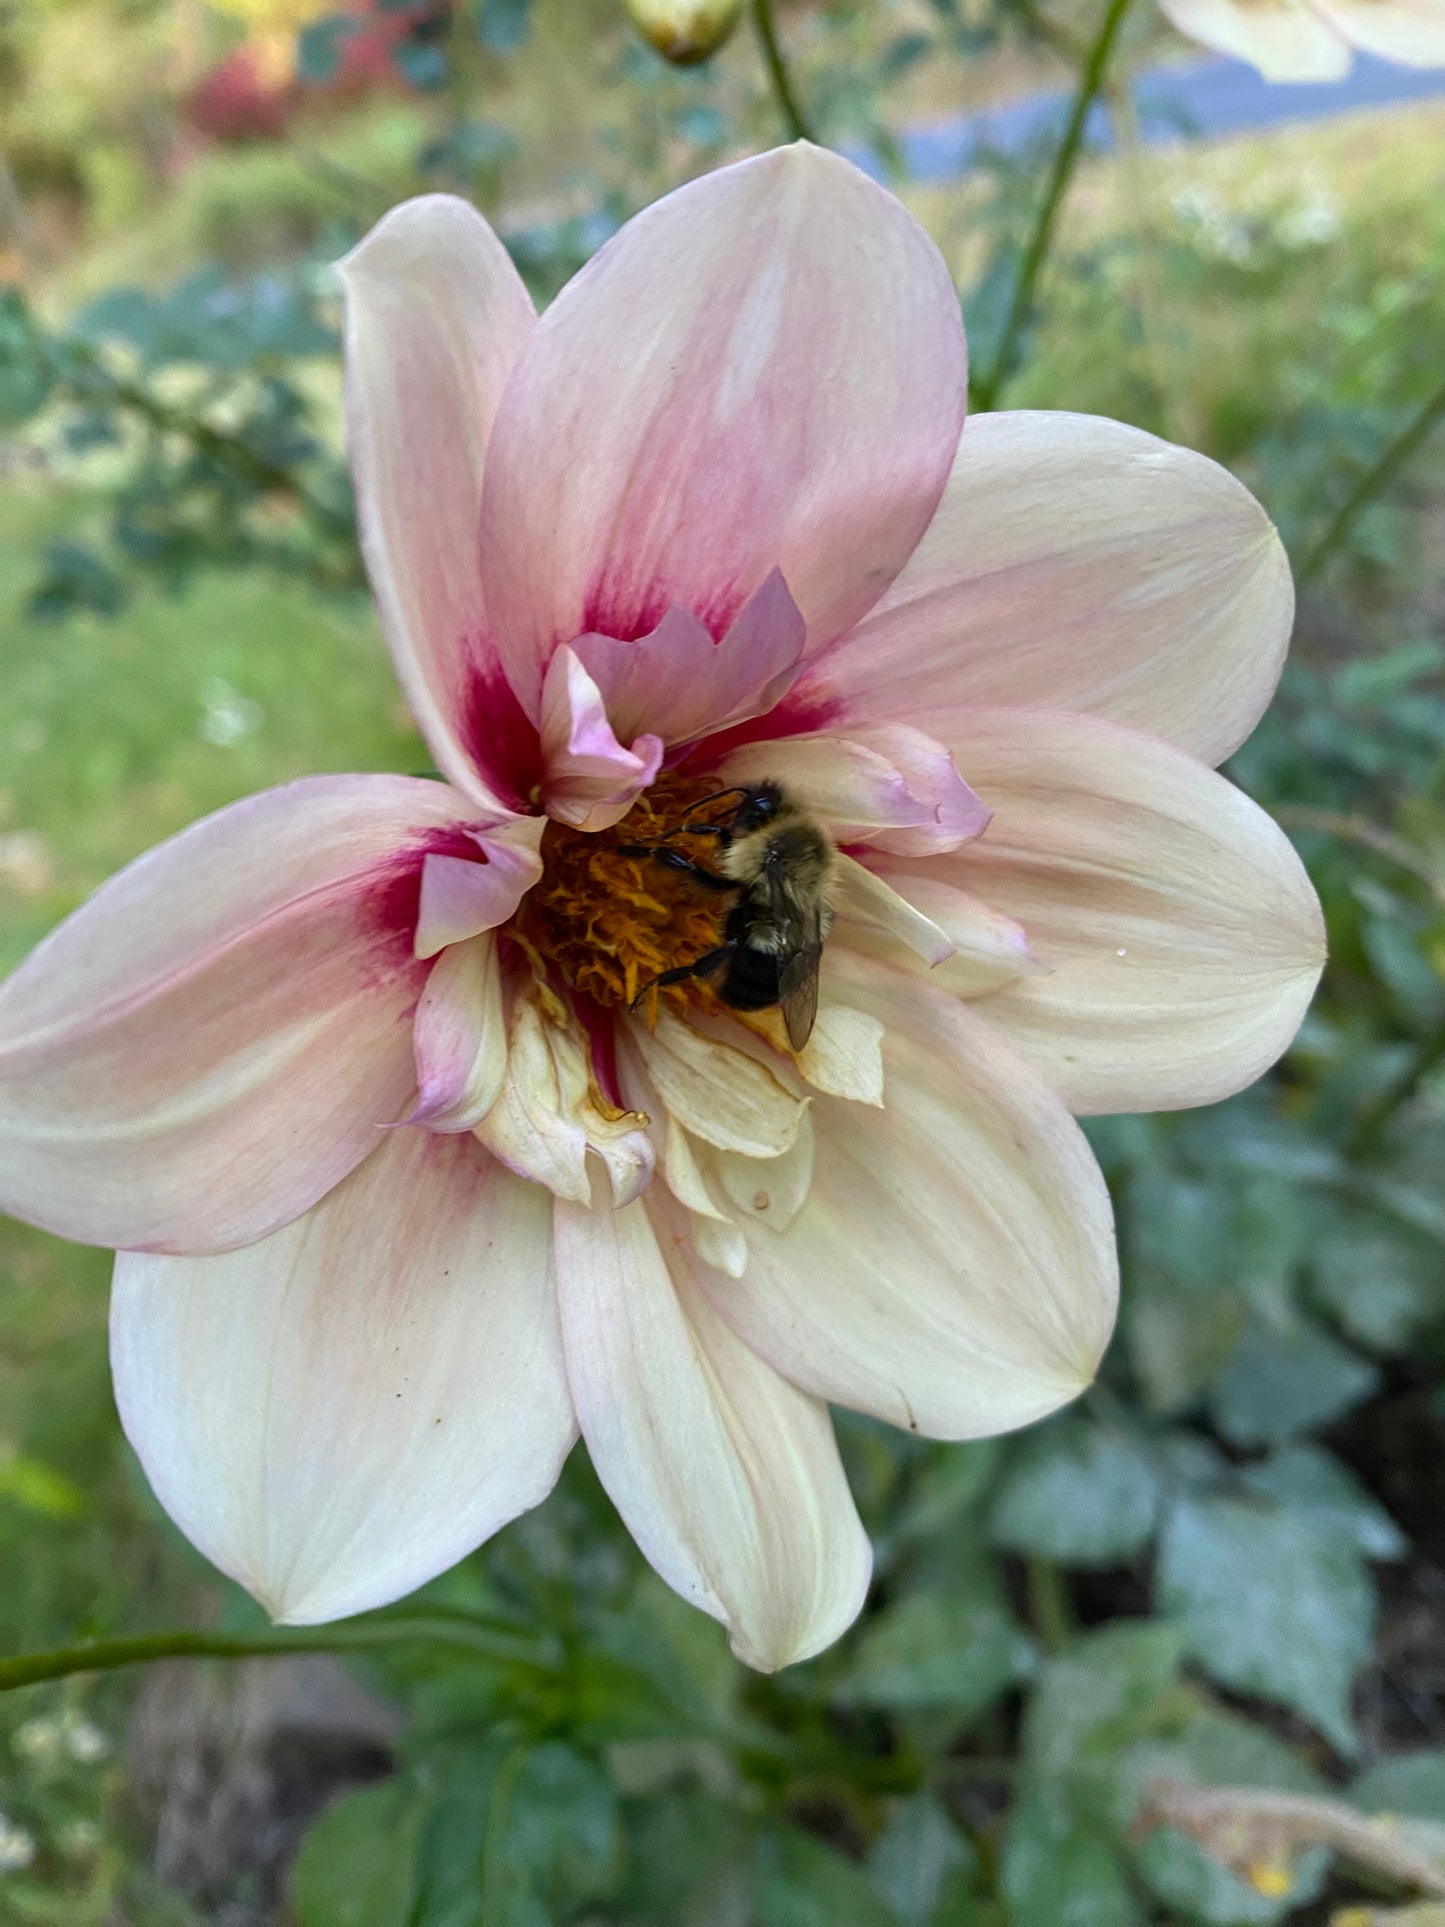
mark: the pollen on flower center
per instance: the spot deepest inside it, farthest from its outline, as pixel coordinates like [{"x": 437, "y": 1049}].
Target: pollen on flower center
[{"x": 607, "y": 923}]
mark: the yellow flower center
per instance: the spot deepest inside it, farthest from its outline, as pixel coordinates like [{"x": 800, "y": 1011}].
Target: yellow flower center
[{"x": 609, "y": 923}]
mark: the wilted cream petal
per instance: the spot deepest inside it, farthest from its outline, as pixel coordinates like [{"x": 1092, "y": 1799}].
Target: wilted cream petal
[
  {"x": 844, "y": 1054},
  {"x": 340, "y": 1412},
  {"x": 549, "y": 1116},
  {"x": 727, "y": 1477},
  {"x": 721, "y": 1093},
  {"x": 769, "y": 1190},
  {"x": 1182, "y": 938},
  {"x": 953, "y": 1268},
  {"x": 1410, "y": 31}
]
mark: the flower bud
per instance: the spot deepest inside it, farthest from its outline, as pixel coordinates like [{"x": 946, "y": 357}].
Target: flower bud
[{"x": 685, "y": 31}]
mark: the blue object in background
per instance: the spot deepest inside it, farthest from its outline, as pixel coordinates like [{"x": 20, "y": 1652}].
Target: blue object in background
[{"x": 1192, "y": 101}]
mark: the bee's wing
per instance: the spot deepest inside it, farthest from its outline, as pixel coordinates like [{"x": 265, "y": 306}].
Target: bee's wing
[{"x": 798, "y": 993}]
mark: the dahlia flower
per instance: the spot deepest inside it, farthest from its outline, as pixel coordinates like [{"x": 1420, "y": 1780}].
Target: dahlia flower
[
  {"x": 1314, "y": 39},
  {"x": 408, "y": 1185}
]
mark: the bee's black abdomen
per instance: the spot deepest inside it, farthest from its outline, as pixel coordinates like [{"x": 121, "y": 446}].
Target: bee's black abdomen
[{"x": 751, "y": 982}]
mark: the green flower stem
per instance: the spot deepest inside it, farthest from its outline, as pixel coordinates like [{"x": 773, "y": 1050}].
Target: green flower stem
[
  {"x": 794, "y": 118},
  {"x": 1049, "y": 1606},
  {"x": 459, "y": 1631},
  {"x": 1091, "y": 81},
  {"x": 1372, "y": 482}
]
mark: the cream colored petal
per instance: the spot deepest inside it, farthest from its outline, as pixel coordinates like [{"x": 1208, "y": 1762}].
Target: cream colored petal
[
  {"x": 727, "y": 1477},
  {"x": 1284, "y": 39},
  {"x": 953, "y": 1269},
  {"x": 1410, "y": 31},
  {"x": 768, "y": 1190},
  {"x": 844, "y": 1054},
  {"x": 1181, "y": 935},
  {"x": 720, "y": 1242},
  {"x": 1081, "y": 564},
  {"x": 338, "y": 1413},
  {"x": 548, "y": 1116},
  {"x": 860, "y": 895},
  {"x": 720, "y": 1093}
]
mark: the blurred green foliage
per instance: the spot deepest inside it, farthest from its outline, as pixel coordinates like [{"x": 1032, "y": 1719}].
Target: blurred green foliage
[{"x": 1214, "y": 1570}]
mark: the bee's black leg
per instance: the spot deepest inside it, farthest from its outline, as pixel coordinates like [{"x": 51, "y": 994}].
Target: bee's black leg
[
  {"x": 675, "y": 860},
  {"x": 703, "y": 966}
]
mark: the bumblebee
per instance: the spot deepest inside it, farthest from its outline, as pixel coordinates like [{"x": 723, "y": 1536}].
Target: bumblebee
[{"x": 776, "y": 859}]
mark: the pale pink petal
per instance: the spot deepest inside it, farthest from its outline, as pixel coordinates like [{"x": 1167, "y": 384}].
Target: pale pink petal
[
  {"x": 1079, "y": 564},
  {"x": 342, "y": 1411},
  {"x": 1284, "y": 39},
  {"x": 727, "y": 1477},
  {"x": 214, "y": 1039},
  {"x": 953, "y": 1268},
  {"x": 889, "y": 787},
  {"x": 463, "y": 895},
  {"x": 436, "y": 316},
  {"x": 765, "y": 370},
  {"x": 460, "y": 1037},
  {"x": 590, "y": 781},
  {"x": 679, "y": 684},
  {"x": 1181, "y": 938},
  {"x": 1410, "y": 31},
  {"x": 550, "y": 1115}
]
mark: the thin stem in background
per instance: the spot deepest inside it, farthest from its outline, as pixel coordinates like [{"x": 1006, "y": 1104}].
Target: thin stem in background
[
  {"x": 1091, "y": 81},
  {"x": 105, "y": 1655},
  {"x": 1371, "y": 483},
  {"x": 794, "y": 118}
]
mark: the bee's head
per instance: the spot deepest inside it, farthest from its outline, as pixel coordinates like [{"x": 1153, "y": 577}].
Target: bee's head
[{"x": 757, "y": 809}]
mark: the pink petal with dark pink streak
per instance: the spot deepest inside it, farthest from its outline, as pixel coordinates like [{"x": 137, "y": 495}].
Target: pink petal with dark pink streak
[
  {"x": 590, "y": 781},
  {"x": 436, "y": 316},
  {"x": 214, "y": 1040},
  {"x": 679, "y": 684},
  {"x": 765, "y": 370},
  {"x": 463, "y": 895}
]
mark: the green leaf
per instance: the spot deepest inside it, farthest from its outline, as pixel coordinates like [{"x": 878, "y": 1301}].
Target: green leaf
[
  {"x": 1214, "y": 1749},
  {"x": 798, "y": 1882},
  {"x": 562, "y": 1826},
  {"x": 922, "y": 1865},
  {"x": 1275, "y": 1602},
  {"x": 1101, "y": 1693},
  {"x": 1411, "y": 1783},
  {"x": 958, "y": 1647},
  {"x": 1381, "y": 1279},
  {"x": 1277, "y": 1386},
  {"x": 354, "y": 1868},
  {"x": 1079, "y": 1492},
  {"x": 1307, "y": 1479},
  {"x": 1060, "y": 1867},
  {"x": 38, "y": 1488}
]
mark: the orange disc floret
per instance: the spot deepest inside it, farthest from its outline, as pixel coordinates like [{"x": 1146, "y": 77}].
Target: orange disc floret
[{"x": 609, "y": 923}]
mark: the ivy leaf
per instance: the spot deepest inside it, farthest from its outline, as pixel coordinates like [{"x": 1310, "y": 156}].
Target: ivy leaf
[
  {"x": 1060, "y": 1867},
  {"x": 1411, "y": 1784},
  {"x": 1275, "y": 1602},
  {"x": 798, "y": 1882},
  {"x": 1099, "y": 1694},
  {"x": 354, "y": 1868},
  {"x": 921, "y": 1864},
  {"x": 1310, "y": 1480},
  {"x": 1079, "y": 1492},
  {"x": 959, "y": 1648},
  {"x": 1277, "y": 1386}
]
